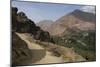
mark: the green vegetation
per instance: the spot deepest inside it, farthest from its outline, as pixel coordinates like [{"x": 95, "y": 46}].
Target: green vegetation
[{"x": 83, "y": 43}]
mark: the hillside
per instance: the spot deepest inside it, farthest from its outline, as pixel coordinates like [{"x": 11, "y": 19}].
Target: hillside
[
  {"x": 73, "y": 22},
  {"x": 77, "y": 30},
  {"x": 45, "y": 24}
]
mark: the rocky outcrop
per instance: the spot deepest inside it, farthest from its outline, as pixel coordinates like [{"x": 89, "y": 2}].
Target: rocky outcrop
[
  {"x": 21, "y": 54},
  {"x": 20, "y": 51},
  {"x": 21, "y": 24}
]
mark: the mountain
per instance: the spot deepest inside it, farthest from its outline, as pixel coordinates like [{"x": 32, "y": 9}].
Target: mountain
[
  {"x": 73, "y": 22},
  {"x": 85, "y": 16},
  {"x": 77, "y": 30},
  {"x": 32, "y": 45},
  {"x": 44, "y": 24}
]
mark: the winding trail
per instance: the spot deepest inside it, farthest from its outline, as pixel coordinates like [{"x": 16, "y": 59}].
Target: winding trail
[
  {"x": 48, "y": 58},
  {"x": 43, "y": 56}
]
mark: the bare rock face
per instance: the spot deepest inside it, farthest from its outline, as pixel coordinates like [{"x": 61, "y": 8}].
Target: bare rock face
[{"x": 22, "y": 24}]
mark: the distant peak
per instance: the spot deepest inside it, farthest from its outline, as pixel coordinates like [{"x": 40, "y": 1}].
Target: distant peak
[
  {"x": 89, "y": 9},
  {"x": 86, "y": 16},
  {"x": 80, "y": 11}
]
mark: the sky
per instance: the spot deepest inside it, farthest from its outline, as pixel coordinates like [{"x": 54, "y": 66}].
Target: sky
[{"x": 37, "y": 11}]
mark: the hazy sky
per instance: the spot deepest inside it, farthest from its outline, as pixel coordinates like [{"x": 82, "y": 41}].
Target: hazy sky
[{"x": 44, "y": 11}]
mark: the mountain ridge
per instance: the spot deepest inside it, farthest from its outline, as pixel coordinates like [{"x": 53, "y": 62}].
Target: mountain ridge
[{"x": 75, "y": 20}]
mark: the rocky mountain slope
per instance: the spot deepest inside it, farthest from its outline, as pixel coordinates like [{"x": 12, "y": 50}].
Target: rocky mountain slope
[
  {"x": 73, "y": 22},
  {"x": 45, "y": 24}
]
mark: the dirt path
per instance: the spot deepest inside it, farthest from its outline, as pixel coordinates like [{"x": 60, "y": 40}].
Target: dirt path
[
  {"x": 47, "y": 57},
  {"x": 31, "y": 45}
]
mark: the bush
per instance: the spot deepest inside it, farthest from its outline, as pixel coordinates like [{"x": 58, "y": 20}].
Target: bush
[{"x": 86, "y": 37}]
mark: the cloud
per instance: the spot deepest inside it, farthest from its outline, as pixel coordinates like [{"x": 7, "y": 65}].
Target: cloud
[{"x": 90, "y": 9}]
